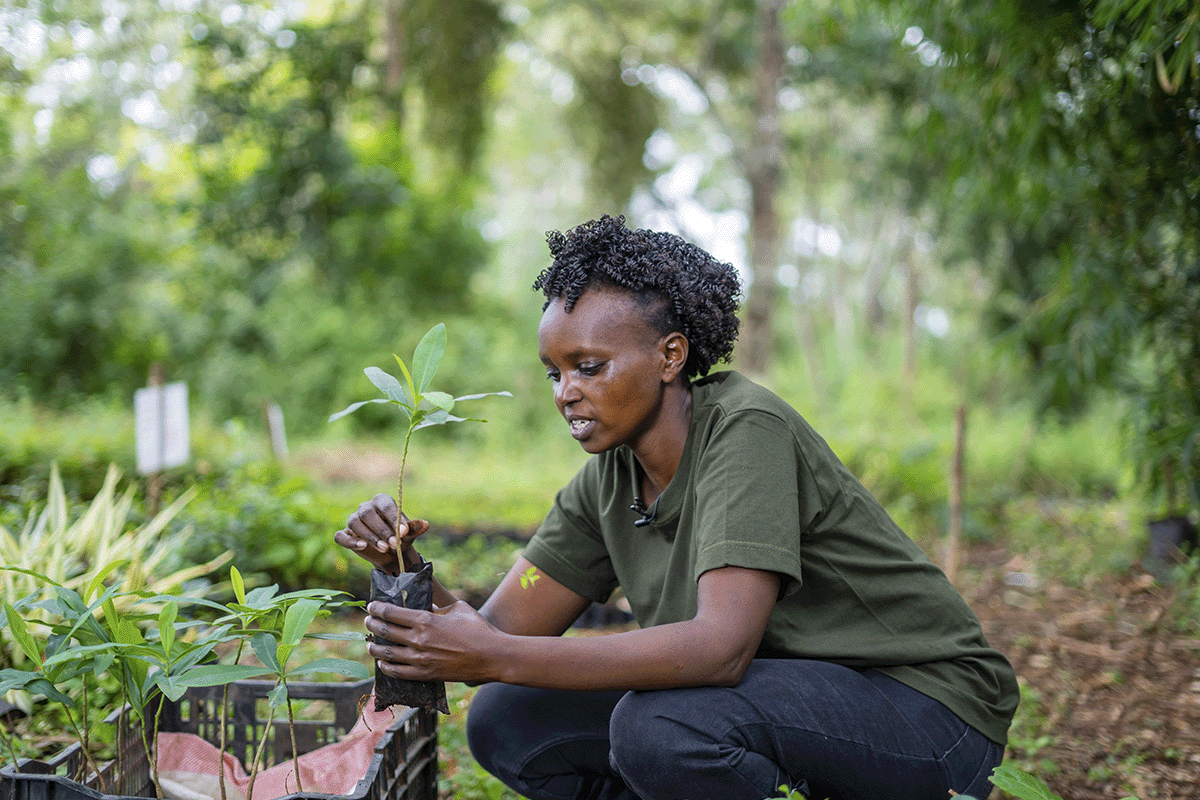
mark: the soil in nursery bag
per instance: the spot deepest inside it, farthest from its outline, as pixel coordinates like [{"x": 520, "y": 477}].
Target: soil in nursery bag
[{"x": 408, "y": 590}]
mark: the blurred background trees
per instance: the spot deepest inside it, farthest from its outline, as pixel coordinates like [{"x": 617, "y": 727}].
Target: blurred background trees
[{"x": 266, "y": 196}]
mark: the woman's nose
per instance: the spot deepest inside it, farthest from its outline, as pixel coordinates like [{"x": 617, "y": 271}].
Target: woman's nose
[{"x": 565, "y": 392}]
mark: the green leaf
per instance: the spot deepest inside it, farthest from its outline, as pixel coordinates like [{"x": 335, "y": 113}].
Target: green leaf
[
  {"x": 278, "y": 696},
  {"x": 439, "y": 417},
  {"x": 43, "y": 687},
  {"x": 350, "y": 409},
  {"x": 482, "y": 395},
  {"x": 440, "y": 400},
  {"x": 390, "y": 386},
  {"x": 265, "y": 647},
  {"x": 220, "y": 674},
  {"x": 297, "y": 620},
  {"x": 340, "y": 666},
  {"x": 127, "y": 632},
  {"x": 239, "y": 586},
  {"x": 98, "y": 580},
  {"x": 170, "y": 685},
  {"x": 412, "y": 390},
  {"x": 166, "y": 627},
  {"x": 102, "y": 662},
  {"x": 345, "y": 636},
  {"x": 33, "y": 574},
  {"x": 428, "y": 356},
  {"x": 20, "y": 632},
  {"x": 12, "y": 678},
  {"x": 1021, "y": 784}
]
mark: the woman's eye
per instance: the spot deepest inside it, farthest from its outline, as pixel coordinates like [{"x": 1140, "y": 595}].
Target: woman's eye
[
  {"x": 552, "y": 376},
  {"x": 589, "y": 369}
]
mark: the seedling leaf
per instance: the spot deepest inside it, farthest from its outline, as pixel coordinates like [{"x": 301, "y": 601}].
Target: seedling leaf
[
  {"x": 390, "y": 386},
  {"x": 350, "y": 409},
  {"x": 239, "y": 585},
  {"x": 278, "y": 696},
  {"x": 412, "y": 390},
  {"x": 263, "y": 645},
  {"x": 428, "y": 356},
  {"x": 439, "y": 400},
  {"x": 220, "y": 674},
  {"x": 483, "y": 394},
  {"x": 20, "y": 632},
  {"x": 166, "y": 628},
  {"x": 340, "y": 666}
]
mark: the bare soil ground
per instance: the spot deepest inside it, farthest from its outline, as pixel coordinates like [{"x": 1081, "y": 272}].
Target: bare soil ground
[{"x": 1112, "y": 707}]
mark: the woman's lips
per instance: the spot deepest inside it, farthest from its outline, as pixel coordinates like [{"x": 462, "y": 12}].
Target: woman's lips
[{"x": 580, "y": 428}]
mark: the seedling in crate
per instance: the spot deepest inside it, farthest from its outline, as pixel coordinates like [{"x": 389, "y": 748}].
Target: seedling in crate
[{"x": 421, "y": 407}]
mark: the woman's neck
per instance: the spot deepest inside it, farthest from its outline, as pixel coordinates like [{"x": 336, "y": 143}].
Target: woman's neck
[{"x": 659, "y": 455}]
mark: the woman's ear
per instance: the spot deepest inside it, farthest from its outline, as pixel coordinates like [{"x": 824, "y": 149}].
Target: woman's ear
[{"x": 674, "y": 348}]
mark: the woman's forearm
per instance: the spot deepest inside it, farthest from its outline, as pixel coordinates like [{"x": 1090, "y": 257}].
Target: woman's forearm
[{"x": 689, "y": 653}]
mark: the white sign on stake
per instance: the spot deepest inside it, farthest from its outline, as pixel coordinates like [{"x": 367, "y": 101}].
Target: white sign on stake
[{"x": 161, "y": 426}]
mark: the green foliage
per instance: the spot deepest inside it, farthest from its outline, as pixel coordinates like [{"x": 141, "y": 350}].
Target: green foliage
[
  {"x": 70, "y": 549},
  {"x": 141, "y": 639},
  {"x": 241, "y": 235},
  {"x": 81, "y": 443},
  {"x": 277, "y": 529},
  {"x": 1091, "y": 243},
  {"x": 444, "y": 53}
]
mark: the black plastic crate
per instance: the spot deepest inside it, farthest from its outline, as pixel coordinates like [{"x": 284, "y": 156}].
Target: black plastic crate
[{"x": 404, "y": 766}]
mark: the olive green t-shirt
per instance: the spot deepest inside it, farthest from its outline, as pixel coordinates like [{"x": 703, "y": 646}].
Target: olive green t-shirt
[{"x": 758, "y": 488}]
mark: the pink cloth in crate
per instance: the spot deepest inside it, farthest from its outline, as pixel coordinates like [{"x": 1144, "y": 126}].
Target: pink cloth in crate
[{"x": 188, "y": 765}]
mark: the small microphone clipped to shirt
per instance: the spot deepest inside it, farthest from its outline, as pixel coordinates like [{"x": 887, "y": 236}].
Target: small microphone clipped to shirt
[{"x": 647, "y": 513}]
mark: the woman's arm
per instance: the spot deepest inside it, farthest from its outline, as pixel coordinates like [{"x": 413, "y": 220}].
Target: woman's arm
[{"x": 714, "y": 648}]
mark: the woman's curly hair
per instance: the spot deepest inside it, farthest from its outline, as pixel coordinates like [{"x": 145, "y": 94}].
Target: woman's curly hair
[{"x": 682, "y": 287}]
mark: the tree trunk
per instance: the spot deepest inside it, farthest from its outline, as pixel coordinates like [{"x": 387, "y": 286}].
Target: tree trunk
[
  {"x": 957, "y": 482},
  {"x": 394, "y": 35},
  {"x": 911, "y": 300},
  {"x": 764, "y": 172}
]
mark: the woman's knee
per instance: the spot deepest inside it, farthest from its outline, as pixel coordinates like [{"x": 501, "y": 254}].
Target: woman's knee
[
  {"x": 649, "y": 746},
  {"x": 491, "y": 707}
]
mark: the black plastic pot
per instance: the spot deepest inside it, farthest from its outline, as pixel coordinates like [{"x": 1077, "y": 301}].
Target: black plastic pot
[{"x": 1171, "y": 540}]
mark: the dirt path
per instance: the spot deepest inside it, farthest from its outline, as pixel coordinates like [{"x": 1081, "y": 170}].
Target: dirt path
[{"x": 1113, "y": 698}]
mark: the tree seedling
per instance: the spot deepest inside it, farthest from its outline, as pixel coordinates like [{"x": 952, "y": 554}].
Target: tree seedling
[{"x": 420, "y": 406}]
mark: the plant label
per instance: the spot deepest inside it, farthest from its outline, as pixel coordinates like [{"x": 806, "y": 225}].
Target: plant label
[{"x": 161, "y": 427}]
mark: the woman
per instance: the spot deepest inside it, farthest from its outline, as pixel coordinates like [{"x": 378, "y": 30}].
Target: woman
[{"x": 789, "y": 632}]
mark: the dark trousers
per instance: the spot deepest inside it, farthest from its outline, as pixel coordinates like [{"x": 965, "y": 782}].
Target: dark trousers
[{"x": 825, "y": 730}]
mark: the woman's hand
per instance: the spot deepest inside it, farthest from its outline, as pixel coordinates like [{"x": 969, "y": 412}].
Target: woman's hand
[
  {"x": 371, "y": 532},
  {"x": 446, "y": 644}
]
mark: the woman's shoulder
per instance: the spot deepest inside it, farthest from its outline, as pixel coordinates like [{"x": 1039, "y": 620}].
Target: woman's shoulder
[{"x": 730, "y": 392}]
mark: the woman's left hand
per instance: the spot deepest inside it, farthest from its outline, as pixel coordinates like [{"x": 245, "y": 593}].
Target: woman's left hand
[{"x": 446, "y": 644}]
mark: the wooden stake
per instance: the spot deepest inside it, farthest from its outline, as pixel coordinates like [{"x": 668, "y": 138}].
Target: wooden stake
[
  {"x": 956, "y": 496},
  {"x": 154, "y": 479}
]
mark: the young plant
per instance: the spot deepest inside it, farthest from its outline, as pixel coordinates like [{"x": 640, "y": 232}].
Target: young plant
[
  {"x": 419, "y": 405},
  {"x": 273, "y": 625},
  {"x": 88, "y": 634}
]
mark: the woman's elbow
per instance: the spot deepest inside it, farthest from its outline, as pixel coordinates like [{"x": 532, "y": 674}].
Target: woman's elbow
[{"x": 728, "y": 671}]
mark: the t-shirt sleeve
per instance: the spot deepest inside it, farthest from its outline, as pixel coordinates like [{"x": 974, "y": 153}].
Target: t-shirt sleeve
[
  {"x": 568, "y": 545},
  {"x": 753, "y": 495}
]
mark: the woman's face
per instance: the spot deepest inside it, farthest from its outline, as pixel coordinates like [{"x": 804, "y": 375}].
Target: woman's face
[{"x": 608, "y": 367}]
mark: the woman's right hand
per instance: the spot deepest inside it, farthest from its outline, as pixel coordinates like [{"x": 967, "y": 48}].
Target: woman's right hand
[{"x": 371, "y": 532}]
